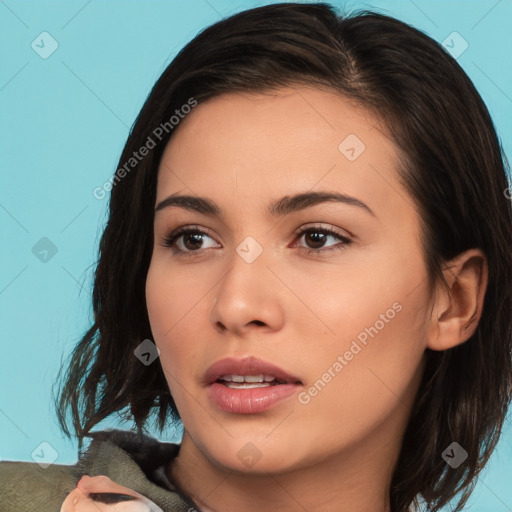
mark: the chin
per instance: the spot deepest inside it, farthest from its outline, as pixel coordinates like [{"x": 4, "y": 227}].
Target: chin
[{"x": 244, "y": 454}]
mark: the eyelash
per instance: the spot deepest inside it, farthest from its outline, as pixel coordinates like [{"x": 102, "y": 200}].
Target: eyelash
[{"x": 169, "y": 240}]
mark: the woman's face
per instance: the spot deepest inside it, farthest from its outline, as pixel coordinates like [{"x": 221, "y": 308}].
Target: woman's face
[{"x": 339, "y": 309}]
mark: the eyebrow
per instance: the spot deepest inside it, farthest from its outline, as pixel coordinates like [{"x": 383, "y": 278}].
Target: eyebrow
[{"x": 281, "y": 207}]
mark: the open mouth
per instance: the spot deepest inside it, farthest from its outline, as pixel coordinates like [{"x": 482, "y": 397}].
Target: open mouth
[
  {"x": 249, "y": 381},
  {"x": 248, "y": 385}
]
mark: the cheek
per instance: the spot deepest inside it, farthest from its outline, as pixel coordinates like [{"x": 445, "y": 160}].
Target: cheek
[
  {"x": 346, "y": 299},
  {"x": 370, "y": 323},
  {"x": 366, "y": 377},
  {"x": 375, "y": 358},
  {"x": 159, "y": 301},
  {"x": 175, "y": 307},
  {"x": 170, "y": 298}
]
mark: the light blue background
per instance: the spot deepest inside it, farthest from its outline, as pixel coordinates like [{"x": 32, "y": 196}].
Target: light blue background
[{"x": 64, "y": 121}]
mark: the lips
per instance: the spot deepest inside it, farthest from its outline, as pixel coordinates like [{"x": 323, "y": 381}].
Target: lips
[
  {"x": 249, "y": 385},
  {"x": 250, "y": 366}
]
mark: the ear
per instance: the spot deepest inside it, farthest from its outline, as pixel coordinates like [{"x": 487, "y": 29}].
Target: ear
[{"x": 458, "y": 304}]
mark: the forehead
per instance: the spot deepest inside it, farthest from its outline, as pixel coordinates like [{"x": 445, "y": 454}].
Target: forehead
[{"x": 244, "y": 146}]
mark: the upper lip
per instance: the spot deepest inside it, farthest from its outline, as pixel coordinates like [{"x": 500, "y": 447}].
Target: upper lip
[{"x": 246, "y": 366}]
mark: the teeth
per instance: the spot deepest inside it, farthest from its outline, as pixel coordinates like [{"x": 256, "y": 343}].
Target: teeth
[
  {"x": 247, "y": 385},
  {"x": 251, "y": 379},
  {"x": 254, "y": 378}
]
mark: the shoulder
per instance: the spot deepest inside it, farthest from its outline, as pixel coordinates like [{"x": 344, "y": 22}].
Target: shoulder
[
  {"x": 139, "y": 450},
  {"x": 124, "y": 458},
  {"x": 29, "y": 487}
]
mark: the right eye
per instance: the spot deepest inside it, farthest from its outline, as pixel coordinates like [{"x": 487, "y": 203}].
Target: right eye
[{"x": 187, "y": 241}]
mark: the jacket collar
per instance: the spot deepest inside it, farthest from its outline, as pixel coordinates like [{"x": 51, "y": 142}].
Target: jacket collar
[{"x": 134, "y": 460}]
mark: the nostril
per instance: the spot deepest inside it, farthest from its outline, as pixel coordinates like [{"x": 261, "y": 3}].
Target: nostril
[{"x": 257, "y": 322}]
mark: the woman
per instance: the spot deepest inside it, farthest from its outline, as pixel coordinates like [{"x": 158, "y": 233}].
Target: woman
[{"x": 307, "y": 264}]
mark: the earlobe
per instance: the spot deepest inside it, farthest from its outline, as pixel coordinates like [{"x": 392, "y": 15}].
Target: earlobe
[{"x": 459, "y": 303}]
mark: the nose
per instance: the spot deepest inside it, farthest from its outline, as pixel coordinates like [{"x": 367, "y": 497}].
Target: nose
[{"x": 248, "y": 298}]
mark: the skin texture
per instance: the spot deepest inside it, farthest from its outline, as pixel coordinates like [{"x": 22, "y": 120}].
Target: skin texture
[{"x": 297, "y": 309}]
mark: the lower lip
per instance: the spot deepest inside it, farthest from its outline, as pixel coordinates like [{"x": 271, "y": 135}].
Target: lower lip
[{"x": 249, "y": 401}]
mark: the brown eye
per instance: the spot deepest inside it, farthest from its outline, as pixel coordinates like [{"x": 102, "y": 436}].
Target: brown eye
[
  {"x": 188, "y": 241},
  {"x": 316, "y": 238},
  {"x": 192, "y": 241}
]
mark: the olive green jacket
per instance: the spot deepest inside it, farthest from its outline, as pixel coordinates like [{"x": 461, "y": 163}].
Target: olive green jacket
[{"x": 127, "y": 459}]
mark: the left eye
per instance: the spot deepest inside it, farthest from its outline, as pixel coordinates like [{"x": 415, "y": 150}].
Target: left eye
[{"x": 317, "y": 237}]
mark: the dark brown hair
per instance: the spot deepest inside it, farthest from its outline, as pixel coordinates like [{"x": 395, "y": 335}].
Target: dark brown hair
[{"x": 451, "y": 164}]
